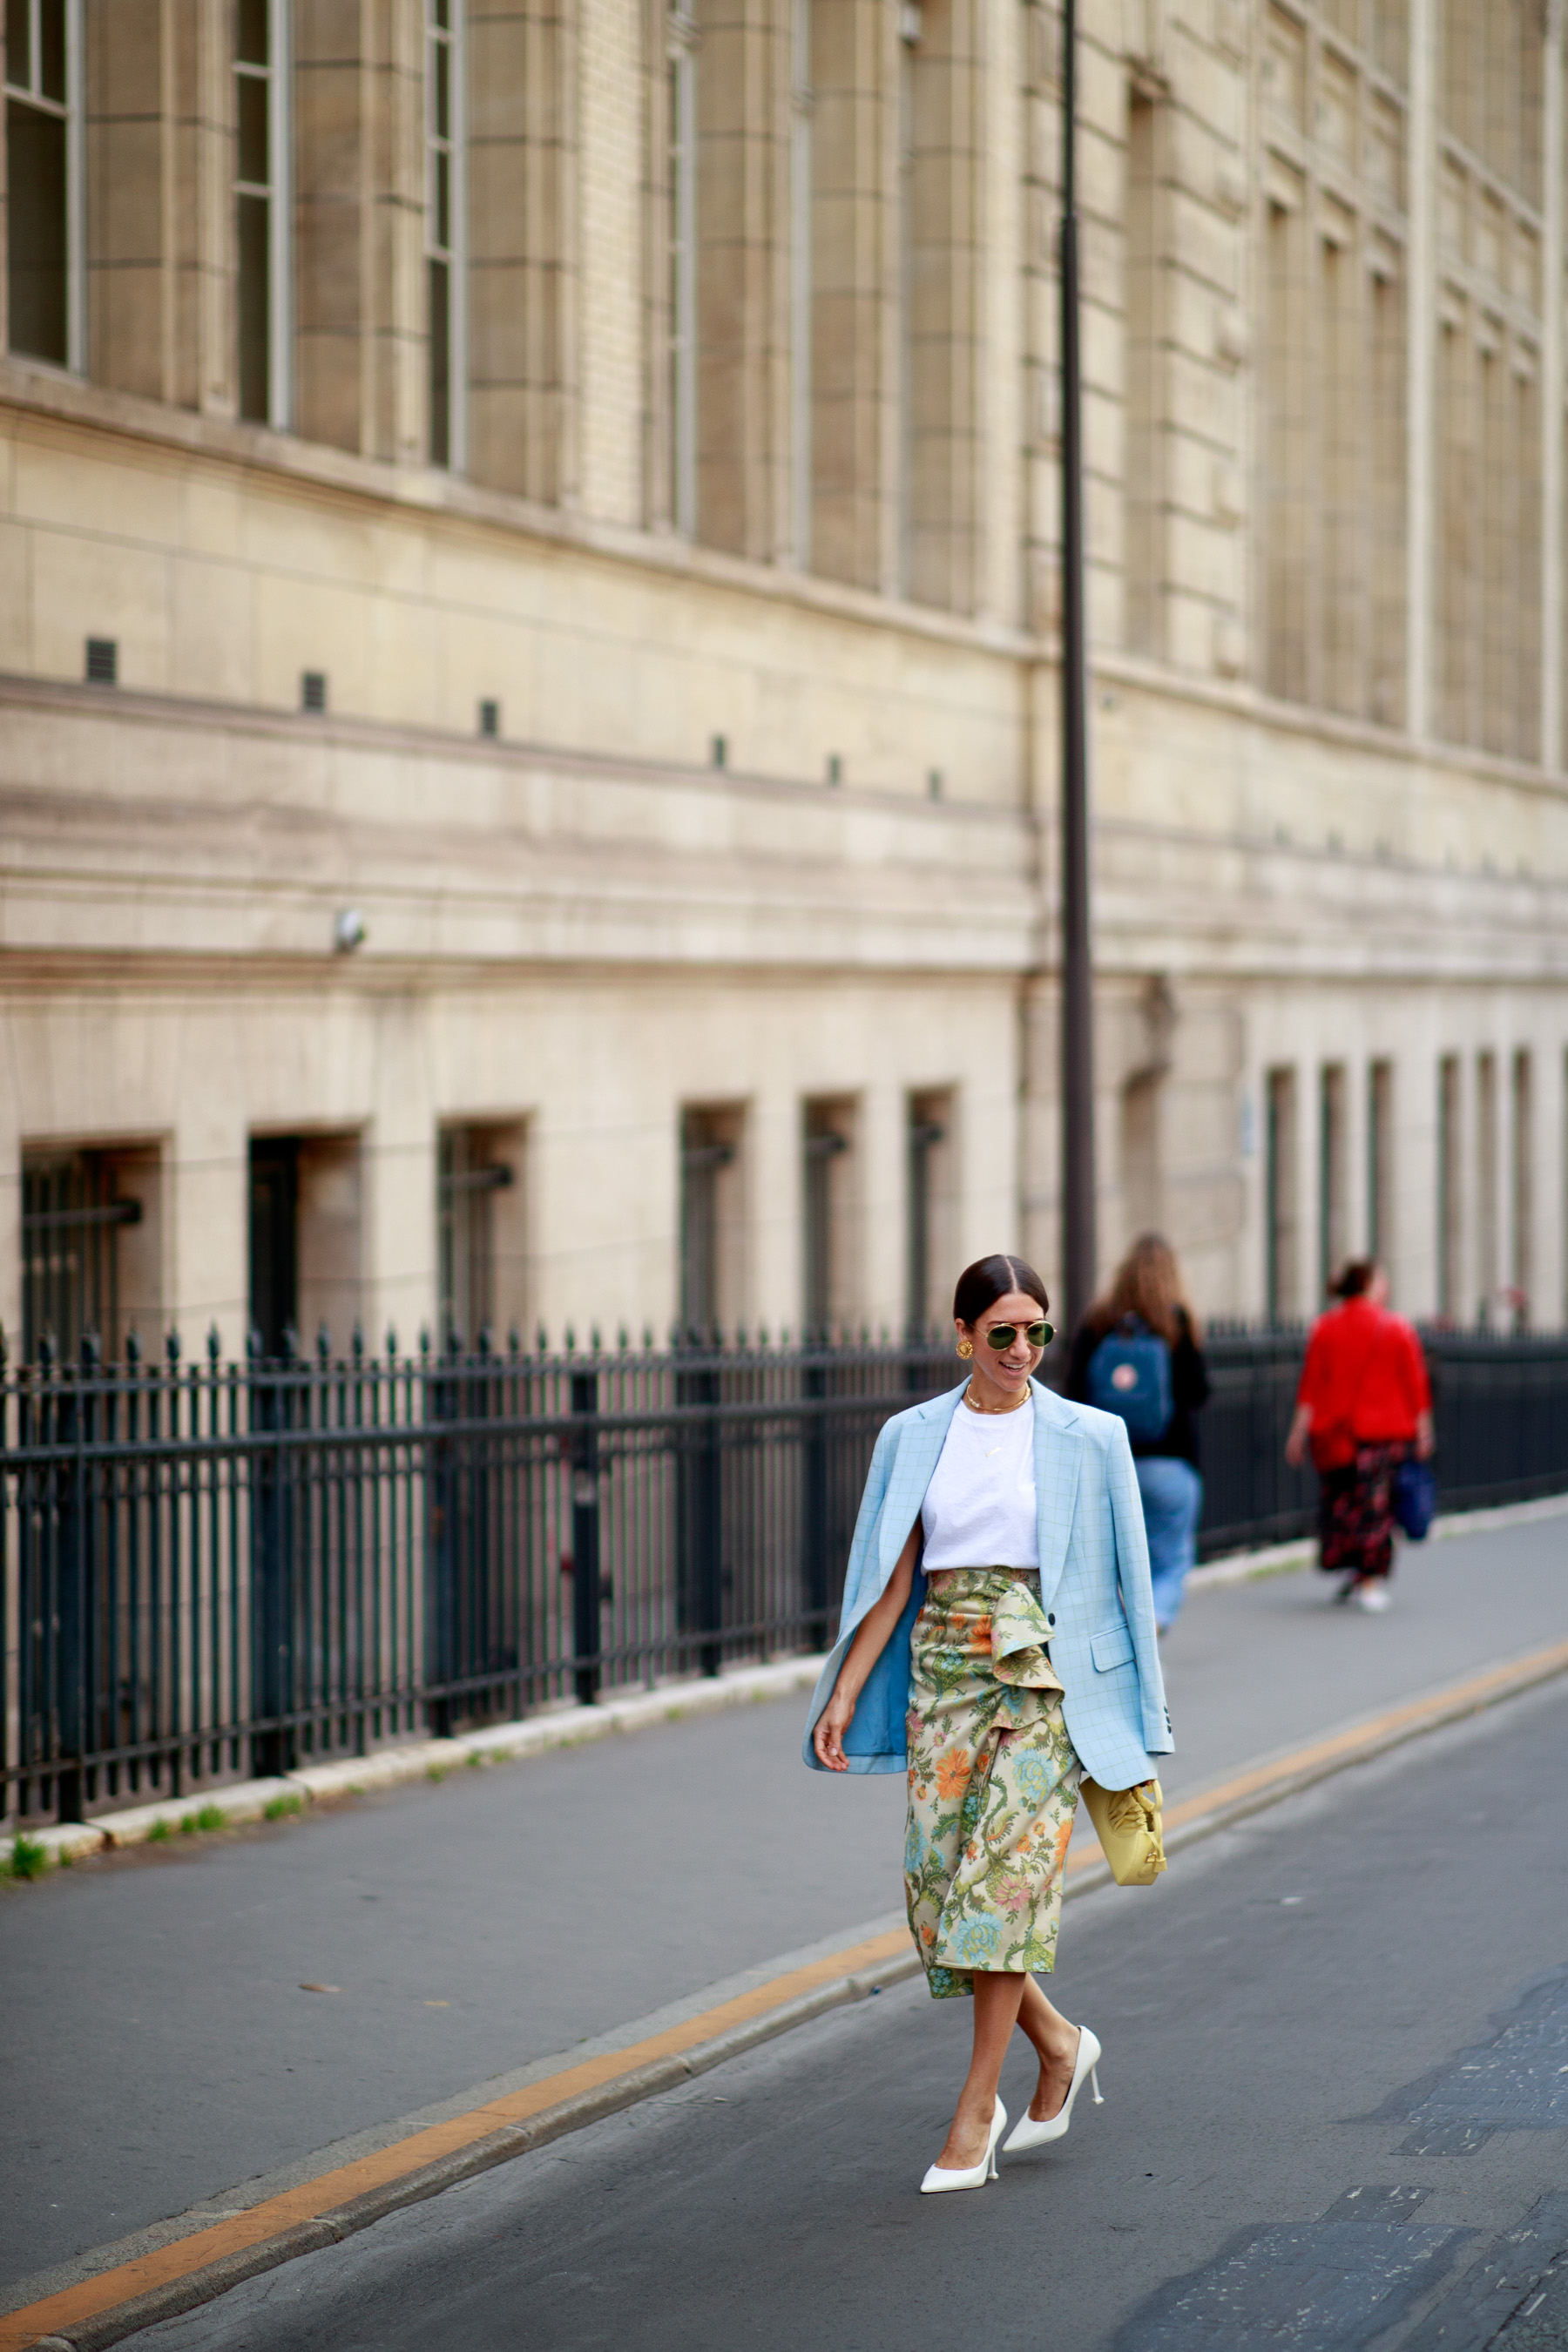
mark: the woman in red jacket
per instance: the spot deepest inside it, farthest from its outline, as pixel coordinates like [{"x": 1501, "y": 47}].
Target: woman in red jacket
[{"x": 1363, "y": 1401}]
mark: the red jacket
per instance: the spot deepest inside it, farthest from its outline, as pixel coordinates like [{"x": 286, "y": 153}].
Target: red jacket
[{"x": 1365, "y": 1380}]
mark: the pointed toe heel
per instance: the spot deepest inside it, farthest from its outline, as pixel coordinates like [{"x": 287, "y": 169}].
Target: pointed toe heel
[
  {"x": 1027, "y": 2133},
  {"x": 941, "y": 2178}
]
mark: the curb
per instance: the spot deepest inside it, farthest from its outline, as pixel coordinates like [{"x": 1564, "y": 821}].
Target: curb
[{"x": 1205, "y": 1815}]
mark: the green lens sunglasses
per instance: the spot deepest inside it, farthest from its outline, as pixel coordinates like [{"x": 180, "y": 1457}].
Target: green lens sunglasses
[{"x": 1001, "y": 1335}]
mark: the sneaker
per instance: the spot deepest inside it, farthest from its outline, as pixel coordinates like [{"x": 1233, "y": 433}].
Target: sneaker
[{"x": 1375, "y": 1596}]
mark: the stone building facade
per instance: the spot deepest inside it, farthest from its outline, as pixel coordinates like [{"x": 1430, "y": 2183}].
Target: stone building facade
[{"x": 527, "y": 604}]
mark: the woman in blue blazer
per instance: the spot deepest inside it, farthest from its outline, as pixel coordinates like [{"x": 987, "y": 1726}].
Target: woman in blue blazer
[{"x": 997, "y": 1642}]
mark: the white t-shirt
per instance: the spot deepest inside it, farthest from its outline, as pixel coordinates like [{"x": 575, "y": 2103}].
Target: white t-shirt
[{"x": 979, "y": 1510}]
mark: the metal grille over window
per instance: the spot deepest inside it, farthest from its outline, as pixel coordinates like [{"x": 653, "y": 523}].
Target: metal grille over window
[
  {"x": 828, "y": 1140},
  {"x": 711, "y": 1231},
  {"x": 470, "y": 1173},
  {"x": 260, "y": 72},
  {"x": 43, "y": 176},
  {"x": 444, "y": 227},
  {"x": 71, "y": 1217}
]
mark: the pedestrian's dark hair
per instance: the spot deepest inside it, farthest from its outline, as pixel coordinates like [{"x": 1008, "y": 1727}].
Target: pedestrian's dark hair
[
  {"x": 980, "y": 1285},
  {"x": 1353, "y": 1280}
]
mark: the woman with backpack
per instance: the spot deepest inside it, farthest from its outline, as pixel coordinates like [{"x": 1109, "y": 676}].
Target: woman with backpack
[
  {"x": 1139, "y": 1354},
  {"x": 1365, "y": 1406}
]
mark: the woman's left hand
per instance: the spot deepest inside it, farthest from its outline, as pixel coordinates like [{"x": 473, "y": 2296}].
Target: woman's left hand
[{"x": 831, "y": 1725}]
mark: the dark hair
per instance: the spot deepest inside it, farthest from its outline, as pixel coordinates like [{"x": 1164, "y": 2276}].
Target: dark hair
[
  {"x": 980, "y": 1285},
  {"x": 1354, "y": 1279}
]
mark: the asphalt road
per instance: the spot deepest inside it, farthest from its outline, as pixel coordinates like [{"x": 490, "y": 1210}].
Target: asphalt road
[
  {"x": 158, "y": 2047},
  {"x": 1336, "y": 2079}
]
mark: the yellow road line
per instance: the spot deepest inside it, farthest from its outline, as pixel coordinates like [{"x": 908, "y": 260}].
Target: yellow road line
[{"x": 329, "y": 2189}]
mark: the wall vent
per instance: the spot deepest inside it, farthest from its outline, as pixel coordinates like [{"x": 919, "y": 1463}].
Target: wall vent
[
  {"x": 102, "y": 661},
  {"x": 312, "y": 689},
  {"x": 489, "y": 718}
]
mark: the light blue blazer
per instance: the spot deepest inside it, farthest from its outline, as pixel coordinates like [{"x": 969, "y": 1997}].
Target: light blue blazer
[{"x": 1094, "y": 1589}]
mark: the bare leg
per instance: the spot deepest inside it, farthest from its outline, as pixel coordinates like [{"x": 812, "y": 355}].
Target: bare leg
[
  {"x": 1056, "y": 2041},
  {"x": 996, "y": 1998}
]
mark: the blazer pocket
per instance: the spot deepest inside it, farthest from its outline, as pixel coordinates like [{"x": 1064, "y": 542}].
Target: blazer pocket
[{"x": 1112, "y": 1646}]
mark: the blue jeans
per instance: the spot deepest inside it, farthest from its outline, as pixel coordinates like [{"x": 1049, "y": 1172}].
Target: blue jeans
[{"x": 1173, "y": 1497}]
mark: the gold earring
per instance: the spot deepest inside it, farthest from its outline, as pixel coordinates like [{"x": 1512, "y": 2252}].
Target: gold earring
[{"x": 966, "y": 1349}]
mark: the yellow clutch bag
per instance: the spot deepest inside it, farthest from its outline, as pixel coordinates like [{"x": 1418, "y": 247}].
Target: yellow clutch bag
[{"x": 1127, "y": 1823}]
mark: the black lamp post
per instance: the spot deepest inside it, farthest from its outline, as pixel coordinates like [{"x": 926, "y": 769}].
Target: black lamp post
[{"x": 1077, "y": 977}]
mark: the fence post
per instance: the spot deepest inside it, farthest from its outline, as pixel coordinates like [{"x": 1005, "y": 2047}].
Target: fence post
[
  {"x": 700, "y": 1566},
  {"x": 271, "y": 1598},
  {"x": 814, "y": 1489},
  {"x": 584, "y": 1455},
  {"x": 441, "y": 1504},
  {"x": 71, "y": 1573}
]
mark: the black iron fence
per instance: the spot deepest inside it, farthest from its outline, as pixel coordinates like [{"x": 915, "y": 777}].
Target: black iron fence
[{"x": 210, "y": 1571}]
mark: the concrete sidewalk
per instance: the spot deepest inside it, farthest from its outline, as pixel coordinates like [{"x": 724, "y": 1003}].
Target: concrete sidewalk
[{"x": 162, "y": 2046}]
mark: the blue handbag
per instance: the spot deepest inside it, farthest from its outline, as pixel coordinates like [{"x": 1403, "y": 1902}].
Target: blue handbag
[{"x": 1415, "y": 1498}]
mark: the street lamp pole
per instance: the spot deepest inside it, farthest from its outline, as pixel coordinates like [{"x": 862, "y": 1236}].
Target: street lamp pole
[{"x": 1077, "y": 977}]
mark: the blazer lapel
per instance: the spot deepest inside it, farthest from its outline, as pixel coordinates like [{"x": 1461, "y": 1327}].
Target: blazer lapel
[
  {"x": 921, "y": 1441},
  {"x": 1059, "y": 1456}
]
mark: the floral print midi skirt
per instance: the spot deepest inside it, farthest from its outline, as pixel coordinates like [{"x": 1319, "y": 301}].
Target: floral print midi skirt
[{"x": 993, "y": 1782}]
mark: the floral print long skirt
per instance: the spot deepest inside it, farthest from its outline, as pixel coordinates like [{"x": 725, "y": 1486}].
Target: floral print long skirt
[
  {"x": 993, "y": 1782},
  {"x": 1356, "y": 1513}
]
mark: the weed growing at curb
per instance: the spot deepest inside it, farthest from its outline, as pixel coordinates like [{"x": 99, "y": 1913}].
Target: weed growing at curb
[
  {"x": 211, "y": 1817},
  {"x": 282, "y": 1809},
  {"x": 436, "y": 1771},
  {"x": 27, "y": 1859},
  {"x": 159, "y": 1832},
  {"x": 476, "y": 1762}
]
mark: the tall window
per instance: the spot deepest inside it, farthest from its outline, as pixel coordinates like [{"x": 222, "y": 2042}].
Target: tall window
[
  {"x": 1486, "y": 1185},
  {"x": 680, "y": 250},
  {"x": 1333, "y": 437},
  {"x": 1521, "y": 1218},
  {"x": 711, "y": 1225},
  {"x": 1379, "y": 1157},
  {"x": 262, "y": 208},
  {"x": 929, "y": 1239},
  {"x": 829, "y": 1142},
  {"x": 939, "y": 134},
  {"x": 1146, "y": 403},
  {"x": 90, "y": 1249},
  {"x": 1332, "y": 1172},
  {"x": 478, "y": 1211},
  {"x": 1450, "y": 1189},
  {"x": 444, "y": 227},
  {"x": 305, "y": 1237},
  {"x": 43, "y": 179},
  {"x": 1279, "y": 1207},
  {"x": 801, "y": 193}
]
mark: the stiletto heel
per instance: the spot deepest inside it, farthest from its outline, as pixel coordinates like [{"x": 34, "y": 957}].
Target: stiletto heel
[
  {"x": 1027, "y": 2133},
  {"x": 973, "y": 2176}
]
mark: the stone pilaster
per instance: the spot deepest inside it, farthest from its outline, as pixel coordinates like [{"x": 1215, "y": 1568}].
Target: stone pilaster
[
  {"x": 361, "y": 330},
  {"x": 523, "y": 181}
]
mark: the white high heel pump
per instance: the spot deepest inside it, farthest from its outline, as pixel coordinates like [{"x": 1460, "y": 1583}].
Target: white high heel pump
[
  {"x": 975, "y": 2176},
  {"x": 1027, "y": 2133}
]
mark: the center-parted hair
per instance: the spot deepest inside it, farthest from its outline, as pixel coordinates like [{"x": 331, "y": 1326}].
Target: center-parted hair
[{"x": 980, "y": 1285}]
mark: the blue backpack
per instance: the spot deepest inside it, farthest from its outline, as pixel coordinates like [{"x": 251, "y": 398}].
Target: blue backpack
[{"x": 1129, "y": 1375}]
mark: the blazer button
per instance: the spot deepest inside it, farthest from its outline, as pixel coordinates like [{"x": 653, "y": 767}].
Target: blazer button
[{"x": 1051, "y": 1618}]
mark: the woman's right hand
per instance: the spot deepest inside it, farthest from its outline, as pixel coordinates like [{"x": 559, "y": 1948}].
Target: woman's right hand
[{"x": 831, "y": 1725}]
